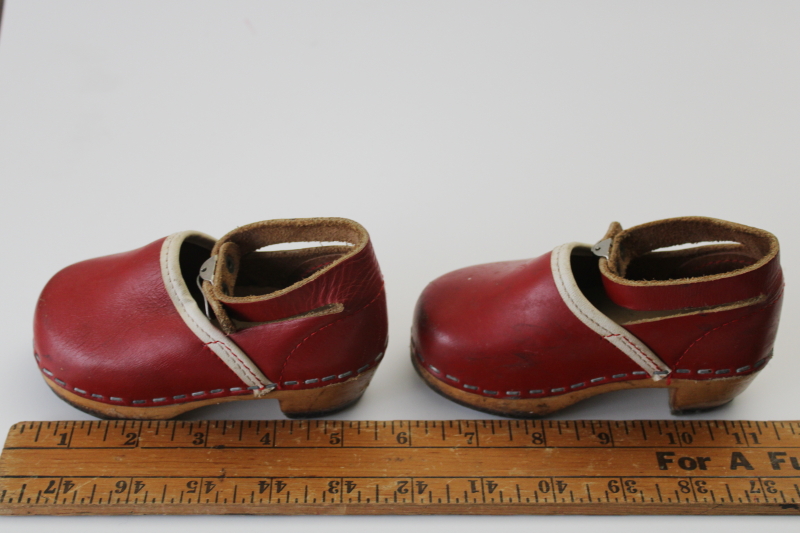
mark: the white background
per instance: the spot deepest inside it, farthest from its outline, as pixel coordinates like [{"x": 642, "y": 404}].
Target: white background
[{"x": 456, "y": 132}]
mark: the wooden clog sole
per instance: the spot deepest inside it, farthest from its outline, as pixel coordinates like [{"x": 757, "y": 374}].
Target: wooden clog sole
[
  {"x": 685, "y": 395},
  {"x": 305, "y": 403}
]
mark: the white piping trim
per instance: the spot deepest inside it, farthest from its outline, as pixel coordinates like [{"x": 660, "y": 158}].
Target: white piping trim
[
  {"x": 581, "y": 307},
  {"x": 218, "y": 342}
]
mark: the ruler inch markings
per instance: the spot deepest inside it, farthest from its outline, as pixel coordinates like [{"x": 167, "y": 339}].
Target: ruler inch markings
[{"x": 463, "y": 466}]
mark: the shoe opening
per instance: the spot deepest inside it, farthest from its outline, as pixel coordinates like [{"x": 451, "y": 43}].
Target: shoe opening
[{"x": 276, "y": 267}]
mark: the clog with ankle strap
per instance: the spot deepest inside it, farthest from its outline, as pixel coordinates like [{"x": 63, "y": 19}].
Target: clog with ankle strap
[
  {"x": 187, "y": 321},
  {"x": 527, "y": 338}
]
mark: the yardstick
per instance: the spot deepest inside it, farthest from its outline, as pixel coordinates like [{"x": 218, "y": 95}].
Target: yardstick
[{"x": 401, "y": 467}]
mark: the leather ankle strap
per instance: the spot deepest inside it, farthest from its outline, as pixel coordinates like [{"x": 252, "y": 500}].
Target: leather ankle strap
[
  {"x": 762, "y": 277},
  {"x": 343, "y": 281}
]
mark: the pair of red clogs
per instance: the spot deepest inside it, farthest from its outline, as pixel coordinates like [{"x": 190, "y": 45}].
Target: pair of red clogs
[{"x": 189, "y": 321}]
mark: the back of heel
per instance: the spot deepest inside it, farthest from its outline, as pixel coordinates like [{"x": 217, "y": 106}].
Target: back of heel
[
  {"x": 322, "y": 401},
  {"x": 690, "y": 396}
]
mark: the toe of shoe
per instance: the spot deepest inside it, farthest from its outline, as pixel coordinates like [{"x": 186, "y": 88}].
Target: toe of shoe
[{"x": 107, "y": 327}]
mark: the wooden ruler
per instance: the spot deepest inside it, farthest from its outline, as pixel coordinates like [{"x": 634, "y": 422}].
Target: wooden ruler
[{"x": 401, "y": 467}]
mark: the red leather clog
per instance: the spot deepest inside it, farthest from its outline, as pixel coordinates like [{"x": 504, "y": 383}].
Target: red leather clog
[
  {"x": 526, "y": 338},
  {"x": 133, "y": 335}
]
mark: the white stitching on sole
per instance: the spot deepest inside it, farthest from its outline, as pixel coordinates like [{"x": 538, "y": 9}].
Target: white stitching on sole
[
  {"x": 558, "y": 390},
  {"x": 199, "y": 393}
]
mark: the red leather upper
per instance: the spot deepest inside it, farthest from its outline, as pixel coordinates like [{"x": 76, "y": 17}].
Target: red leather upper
[
  {"x": 324, "y": 347},
  {"x": 107, "y": 326},
  {"x": 713, "y": 345},
  {"x": 322, "y": 350},
  {"x": 503, "y": 327}
]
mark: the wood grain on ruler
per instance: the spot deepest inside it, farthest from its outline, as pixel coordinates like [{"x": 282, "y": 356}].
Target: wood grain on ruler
[{"x": 401, "y": 467}]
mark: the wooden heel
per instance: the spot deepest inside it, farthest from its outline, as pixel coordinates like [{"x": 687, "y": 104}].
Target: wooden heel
[
  {"x": 690, "y": 396},
  {"x": 324, "y": 400}
]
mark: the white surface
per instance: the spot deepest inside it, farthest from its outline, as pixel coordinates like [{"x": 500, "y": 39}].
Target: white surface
[{"x": 456, "y": 132}]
